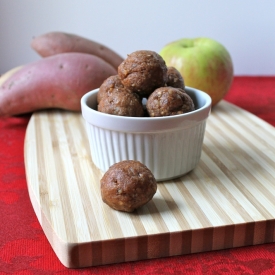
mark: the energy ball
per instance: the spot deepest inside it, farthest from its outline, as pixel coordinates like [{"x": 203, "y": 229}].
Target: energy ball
[
  {"x": 169, "y": 101},
  {"x": 142, "y": 72},
  {"x": 121, "y": 102},
  {"x": 127, "y": 185},
  {"x": 108, "y": 86},
  {"x": 174, "y": 78}
]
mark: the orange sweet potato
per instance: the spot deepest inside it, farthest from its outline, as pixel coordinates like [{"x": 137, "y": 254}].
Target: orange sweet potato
[
  {"x": 59, "y": 42},
  {"x": 57, "y": 81}
]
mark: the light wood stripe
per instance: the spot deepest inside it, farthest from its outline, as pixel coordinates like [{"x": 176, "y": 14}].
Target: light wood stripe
[
  {"x": 48, "y": 180},
  {"x": 81, "y": 169},
  {"x": 228, "y": 200},
  {"x": 31, "y": 144},
  {"x": 42, "y": 175},
  {"x": 61, "y": 181}
]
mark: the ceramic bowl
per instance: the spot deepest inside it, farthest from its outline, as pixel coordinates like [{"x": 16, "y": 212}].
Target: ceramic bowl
[{"x": 169, "y": 146}]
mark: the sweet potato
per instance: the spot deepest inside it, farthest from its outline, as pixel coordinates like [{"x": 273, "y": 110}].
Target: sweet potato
[
  {"x": 8, "y": 74},
  {"x": 59, "y": 42},
  {"x": 57, "y": 81}
]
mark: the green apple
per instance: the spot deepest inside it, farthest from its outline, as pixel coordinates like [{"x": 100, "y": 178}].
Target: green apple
[{"x": 204, "y": 64}]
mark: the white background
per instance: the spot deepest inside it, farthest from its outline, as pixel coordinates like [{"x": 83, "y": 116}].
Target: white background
[{"x": 246, "y": 28}]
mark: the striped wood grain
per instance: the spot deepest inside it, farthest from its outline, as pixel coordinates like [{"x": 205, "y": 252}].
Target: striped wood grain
[{"x": 227, "y": 201}]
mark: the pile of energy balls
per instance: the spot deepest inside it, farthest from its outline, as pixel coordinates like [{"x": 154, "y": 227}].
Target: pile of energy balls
[{"x": 144, "y": 77}]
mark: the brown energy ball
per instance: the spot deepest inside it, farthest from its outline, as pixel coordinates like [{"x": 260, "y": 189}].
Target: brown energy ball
[
  {"x": 128, "y": 185},
  {"x": 143, "y": 71},
  {"x": 110, "y": 84},
  {"x": 168, "y": 101},
  {"x": 121, "y": 102},
  {"x": 174, "y": 78}
]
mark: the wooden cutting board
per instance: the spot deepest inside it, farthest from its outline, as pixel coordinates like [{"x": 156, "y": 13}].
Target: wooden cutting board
[{"x": 227, "y": 201}]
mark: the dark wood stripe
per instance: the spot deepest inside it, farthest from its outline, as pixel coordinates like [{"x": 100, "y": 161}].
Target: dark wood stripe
[
  {"x": 142, "y": 248},
  {"x": 158, "y": 245},
  {"x": 270, "y": 231},
  {"x": 249, "y": 233},
  {"x": 229, "y": 236},
  {"x": 113, "y": 251},
  {"x": 187, "y": 240},
  {"x": 259, "y": 232},
  {"x": 96, "y": 249},
  {"x": 208, "y": 239},
  {"x": 197, "y": 240}
]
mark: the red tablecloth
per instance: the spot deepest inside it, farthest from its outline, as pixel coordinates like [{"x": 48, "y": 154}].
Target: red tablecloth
[{"x": 24, "y": 248}]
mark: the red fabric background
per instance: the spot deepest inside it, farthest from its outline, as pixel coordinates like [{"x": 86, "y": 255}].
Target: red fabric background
[{"x": 25, "y": 250}]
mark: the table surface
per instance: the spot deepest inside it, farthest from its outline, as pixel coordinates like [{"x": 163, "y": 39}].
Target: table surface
[{"x": 24, "y": 248}]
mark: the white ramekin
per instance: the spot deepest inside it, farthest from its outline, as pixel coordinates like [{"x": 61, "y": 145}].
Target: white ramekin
[{"x": 169, "y": 146}]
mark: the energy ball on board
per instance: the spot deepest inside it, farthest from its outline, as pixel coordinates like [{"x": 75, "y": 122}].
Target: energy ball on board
[
  {"x": 121, "y": 102},
  {"x": 169, "y": 101},
  {"x": 108, "y": 86},
  {"x": 143, "y": 71},
  {"x": 174, "y": 78},
  {"x": 128, "y": 185}
]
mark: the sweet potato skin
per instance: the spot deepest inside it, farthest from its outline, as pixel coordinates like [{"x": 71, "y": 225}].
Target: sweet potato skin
[
  {"x": 8, "y": 74},
  {"x": 60, "y": 42},
  {"x": 57, "y": 81}
]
